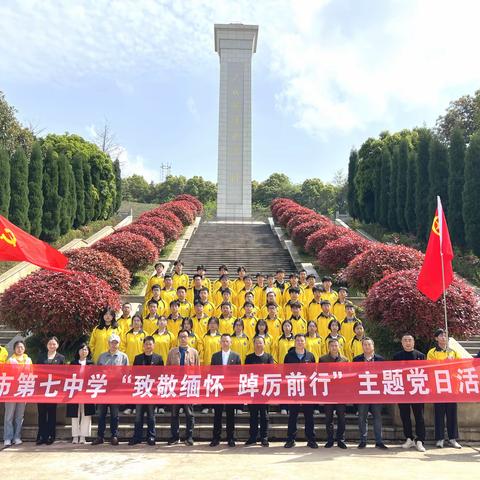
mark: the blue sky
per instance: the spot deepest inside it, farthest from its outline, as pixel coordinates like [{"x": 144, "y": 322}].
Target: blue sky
[{"x": 326, "y": 75}]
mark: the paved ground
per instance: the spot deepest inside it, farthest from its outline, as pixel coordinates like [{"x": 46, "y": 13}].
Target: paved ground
[{"x": 63, "y": 460}]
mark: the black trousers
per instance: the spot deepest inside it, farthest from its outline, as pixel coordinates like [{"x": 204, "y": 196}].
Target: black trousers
[
  {"x": 140, "y": 411},
  {"x": 340, "y": 409},
  {"x": 47, "y": 419},
  {"x": 175, "y": 421},
  {"x": 307, "y": 410},
  {"x": 417, "y": 409},
  {"x": 448, "y": 410},
  {"x": 217, "y": 421},
  {"x": 257, "y": 411}
]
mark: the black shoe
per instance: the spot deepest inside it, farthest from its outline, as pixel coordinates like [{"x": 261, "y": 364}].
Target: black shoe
[
  {"x": 329, "y": 444},
  {"x": 97, "y": 441},
  {"x": 341, "y": 444},
  {"x": 151, "y": 441},
  {"x": 250, "y": 441},
  {"x": 114, "y": 441},
  {"x": 265, "y": 442},
  {"x": 50, "y": 440},
  {"x": 189, "y": 442},
  {"x": 134, "y": 441},
  {"x": 312, "y": 444},
  {"x": 231, "y": 442},
  {"x": 214, "y": 443},
  {"x": 173, "y": 441},
  {"x": 40, "y": 441},
  {"x": 290, "y": 444},
  {"x": 381, "y": 446},
  {"x": 362, "y": 445}
]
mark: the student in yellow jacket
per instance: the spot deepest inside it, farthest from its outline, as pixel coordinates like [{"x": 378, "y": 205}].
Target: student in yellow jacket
[
  {"x": 132, "y": 341},
  {"x": 3, "y": 354},
  {"x": 270, "y": 344},
  {"x": 222, "y": 271},
  {"x": 240, "y": 341},
  {"x": 186, "y": 308},
  {"x": 239, "y": 283},
  {"x": 248, "y": 299},
  {"x": 293, "y": 283},
  {"x": 263, "y": 312},
  {"x": 168, "y": 293},
  {"x": 164, "y": 340},
  {"x": 125, "y": 320},
  {"x": 313, "y": 341},
  {"x": 226, "y": 319},
  {"x": 249, "y": 319},
  {"x": 324, "y": 319},
  {"x": 328, "y": 293},
  {"x": 334, "y": 334},
  {"x": 200, "y": 320},
  {"x": 162, "y": 308},
  {"x": 308, "y": 289},
  {"x": 226, "y": 298},
  {"x": 354, "y": 347},
  {"x": 194, "y": 341},
  {"x": 155, "y": 279},
  {"x": 339, "y": 306},
  {"x": 208, "y": 306},
  {"x": 211, "y": 341},
  {"x": 271, "y": 287},
  {"x": 348, "y": 323},
  {"x": 274, "y": 323},
  {"x": 205, "y": 280},
  {"x": 285, "y": 342},
  {"x": 174, "y": 320},
  {"x": 259, "y": 298},
  {"x": 314, "y": 307},
  {"x": 193, "y": 292},
  {"x": 299, "y": 324},
  {"x": 101, "y": 333},
  {"x": 247, "y": 288},
  {"x": 151, "y": 318},
  {"x": 178, "y": 277},
  {"x": 294, "y": 298}
]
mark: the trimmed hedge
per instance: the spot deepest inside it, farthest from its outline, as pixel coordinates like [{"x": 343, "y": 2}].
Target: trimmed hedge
[
  {"x": 318, "y": 239},
  {"x": 151, "y": 233},
  {"x": 339, "y": 252}
]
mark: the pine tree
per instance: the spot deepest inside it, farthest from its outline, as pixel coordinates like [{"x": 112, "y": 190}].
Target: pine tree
[
  {"x": 118, "y": 185},
  {"x": 77, "y": 165},
  {"x": 378, "y": 188},
  {"x": 51, "y": 199},
  {"x": 410, "y": 217},
  {"x": 89, "y": 200},
  {"x": 18, "y": 210},
  {"x": 422, "y": 213},
  {"x": 471, "y": 210},
  {"x": 71, "y": 196},
  {"x": 4, "y": 182},
  {"x": 385, "y": 185},
  {"x": 35, "y": 190},
  {"x": 456, "y": 179},
  {"x": 392, "y": 204},
  {"x": 438, "y": 175},
  {"x": 352, "y": 194},
  {"x": 401, "y": 190},
  {"x": 64, "y": 193}
]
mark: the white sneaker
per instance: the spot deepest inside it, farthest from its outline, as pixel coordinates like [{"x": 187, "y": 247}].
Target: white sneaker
[
  {"x": 453, "y": 443},
  {"x": 239, "y": 412},
  {"x": 439, "y": 444},
  {"x": 75, "y": 440},
  {"x": 18, "y": 441},
  {"x": 181, "y": 410},
  {"x": 7, "y": 443},
  {"x": 82, "y": 440},
  {"x": 205, "y": 410},
  {"x": 161, "y": 410},
  {"x": 419, "y": 446},
  {"x": 316, "y": 412},
  {"x": 127, "y": 411},
  {"x": 283, "y": 412},
  {"x": 409, "y": 443}
]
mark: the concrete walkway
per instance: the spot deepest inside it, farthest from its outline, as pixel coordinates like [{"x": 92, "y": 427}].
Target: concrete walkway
[{"x": 177, "y": 462}]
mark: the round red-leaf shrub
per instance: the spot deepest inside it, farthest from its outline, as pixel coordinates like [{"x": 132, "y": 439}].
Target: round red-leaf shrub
[
  {"x": 183, "y": 210},
  {"x": 297, "y": 220},
  {"x": 52, "y": 303},
  {"x": 159, "y": 213},
  {"x": 151, "y": 233},
  {"x": 166, "y": 222},
  {"x": 277, "y": 203},
  {"x": 193, "y": 200},
  {"x": 134, "y": 251},
  {"x": 301, "y": 232},
  {"x": 380, "y": 260},
  {"x": 318, "y": 239},
  {"x": 101, "y": 264},
  {"x": 281, "y": 208},
  {"x": 292, "y": 212},
  {"x": 338, "y": 253},
  {"x": 395, "y": 302}
]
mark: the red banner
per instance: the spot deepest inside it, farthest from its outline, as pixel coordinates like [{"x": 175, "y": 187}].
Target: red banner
[{"x": 378, "y": 382}]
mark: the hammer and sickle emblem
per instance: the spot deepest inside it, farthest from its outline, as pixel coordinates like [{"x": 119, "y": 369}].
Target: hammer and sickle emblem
[
  {"x": 436, "y": 226},
  {"x": 8, "y": 237}
]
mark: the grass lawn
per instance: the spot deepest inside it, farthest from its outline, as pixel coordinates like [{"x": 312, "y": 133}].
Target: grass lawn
[{"x": 136, "y": 207}]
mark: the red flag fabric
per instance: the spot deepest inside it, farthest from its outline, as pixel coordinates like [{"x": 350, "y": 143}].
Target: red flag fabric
[
  {"x": 17, "y": 245},
  {"x": 439, "y": 249}
]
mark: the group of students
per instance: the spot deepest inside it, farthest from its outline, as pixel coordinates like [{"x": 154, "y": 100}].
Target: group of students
[{"x": 271, "y": 321}]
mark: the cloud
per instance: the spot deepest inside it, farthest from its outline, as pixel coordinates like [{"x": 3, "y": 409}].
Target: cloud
[
  {"x": 137, "y": 166},
  {"x": 192, "y": 108}
]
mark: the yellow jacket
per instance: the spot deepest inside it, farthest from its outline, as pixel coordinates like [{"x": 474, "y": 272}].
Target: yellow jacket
[
  {"x": 211, "y": 344},
  {"x": 3, "y": 354},
  {"x": 124, "y": 324},
  {"x": 331, "y": 296},
  {"x": 259, "y": 297},
  {"x": 153, "y": 280},
  {"x": 283, "y": 346},
  {"x": 174, "y": 325},
  {"x": 287, "y": 310},
  {"x": 249, "y": 325},
  {"x": 132, "y": 344},
  {"x": 218, "y": 311},
  {"x": 298, "y": 325},
  {"x": 341, "y": 344},
  {"x": 163, "y": 344},
  {"x": 226, "y": 325},
  {"x": 263, "y": 312},
  {"x": 346, "y": 327},
  {"x": 162, "y": 308},
  {"x": 438, "y": 354},
  {"x": 241, "y": 345},
  {"x": 315, "y": 345},
  {"x": 150, "y": 324},
  {"x": 240, "y": 297},
  {"x": 274, "y": 328},
  {"x": 99, "y": 340},
  {"x": 180, "y": 280},
  {"x": 338, "y": 309},
  {"x": 314, "y": 309},
  {"x": 186, "y": 309},
  {"x": 168, "y": 296},
  {"x": 200, "y": 325},
  {"x": 354, "y": 348},
  {"x": 322, "y": 324}
]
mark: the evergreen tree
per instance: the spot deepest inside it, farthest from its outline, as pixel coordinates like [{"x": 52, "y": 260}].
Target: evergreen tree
[
  {"x": 35, "y": 190},
  {"x": 385, "y": 185},
  {"x": 352, "y": 194},
  {"x": 401, "y": 190},
  {"x": 88, "y": 189},
  {"x": 18, "y": 210},
  {"x": 118, "y": 184},
  {"x": 78, "y": 161},
  {"x": 438, "y": 175},
  {"x": 392, "y": 204},
  {"x": 410, "y": 217},
  {"x": 51, "y": 199},
  {"x": 424, "y": 217},
  {"x": 378, "y": 188},
  {"x": 4, "y": 182},
  {"x": 64, "y": 193},
  {"x": 471, "y": 210},
  {"x": 456, "y": 179},
  {"x": 71, "y": 196}
]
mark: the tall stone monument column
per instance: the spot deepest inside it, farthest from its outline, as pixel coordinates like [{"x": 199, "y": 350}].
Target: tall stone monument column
[{"x": 235, "y": 44}]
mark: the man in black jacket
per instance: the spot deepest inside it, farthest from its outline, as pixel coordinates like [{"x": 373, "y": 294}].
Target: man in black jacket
[
  {"x": 298, "y": 354},
  {"x": 369, "y": 355},
  {"x": 258, "y": 410},
  {"x": 408, "y": 353},
  {"x": 224, "y": 357},
  {"x": 152, "y": 359}
]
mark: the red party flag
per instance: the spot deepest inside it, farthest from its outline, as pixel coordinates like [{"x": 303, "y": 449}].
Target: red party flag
[
  {"x": 17, "y": 245},
  {"x": 439, "y": 249}
]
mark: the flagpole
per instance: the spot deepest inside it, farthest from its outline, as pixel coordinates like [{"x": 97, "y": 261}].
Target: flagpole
[{"x": 440, "y": 223}]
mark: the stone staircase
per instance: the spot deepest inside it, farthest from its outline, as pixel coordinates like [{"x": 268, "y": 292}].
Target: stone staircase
[
  {"x": 252, "y": 245},
  {"x": 472, "y": 345}
]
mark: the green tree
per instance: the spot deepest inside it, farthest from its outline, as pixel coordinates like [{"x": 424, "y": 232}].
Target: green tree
[
  {"x": 422, "y": 213},
  {"x": 318, "y": 196},
  {"x": 90, "y": 192},
  {"x": 78, "y": 161},
  {"x": 385, "y": 190},
  {"x": 456, "y": 179},
  {"x": 18, "y": 211},
  {"x": 118, "y": 184},
  {"x": 401, "y": 190},
  {"x": 4, "y": 182},
  {"x": 136, "y": 188},
  {"x": 276, "y": 185},
  {"x": 63, "y": 192},
  {"x": 352, "y": 193},
  {"x": 438, "y": 175},
  {"x": 204, "y": 190},
  {"x": 410, "y": 217},
  {"x": 51, "y": 203},
  {"x": 35, "y": 190},
  {"x": 392, "y": 204},
  {"x": 471, "y": 210},
  {"x": 71, "y": 196}
]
